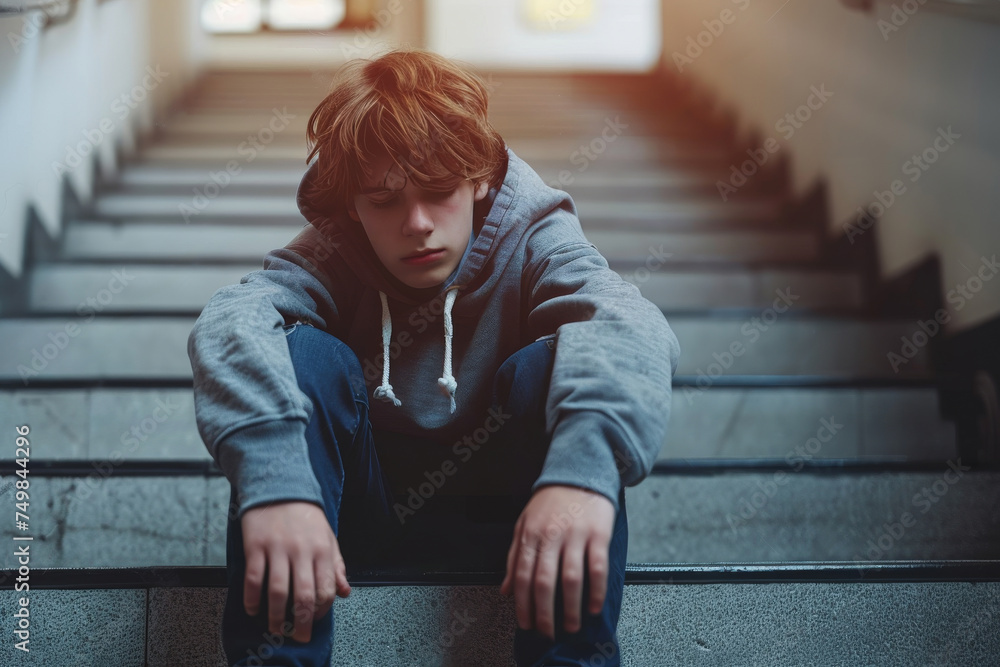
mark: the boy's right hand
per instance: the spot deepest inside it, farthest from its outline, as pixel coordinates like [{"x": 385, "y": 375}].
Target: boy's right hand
[{"x": 294, "y": 541}]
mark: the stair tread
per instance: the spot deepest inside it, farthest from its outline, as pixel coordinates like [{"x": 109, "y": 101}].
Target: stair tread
[
  {"x": 126, "y": 424},
  {"x": 155, "y": 174},
  {"x": 904, "y": 624},
  {"x": 112, "y": 346},
  {"x": 119, "y": 521},
  {"x": 111, "y": 241},
  {"x": 638, "y": 153},
  {"x": 63, "y": 287},
  {"x": 634, "y": 215}
]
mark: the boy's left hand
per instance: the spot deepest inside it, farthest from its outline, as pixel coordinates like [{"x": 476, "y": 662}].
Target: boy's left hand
[{"x": 559, "y": 521}]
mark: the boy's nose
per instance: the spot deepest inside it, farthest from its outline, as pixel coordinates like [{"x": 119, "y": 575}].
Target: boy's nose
[{"x": 418, "y": 221}]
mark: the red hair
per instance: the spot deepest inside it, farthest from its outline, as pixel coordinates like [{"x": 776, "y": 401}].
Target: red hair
[{"x": 425, "y": 111}]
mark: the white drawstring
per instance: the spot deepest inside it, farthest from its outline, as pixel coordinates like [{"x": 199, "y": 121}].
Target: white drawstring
[
  {"x": 447, "y": 380},
  {"x": 385, "y": 389}
]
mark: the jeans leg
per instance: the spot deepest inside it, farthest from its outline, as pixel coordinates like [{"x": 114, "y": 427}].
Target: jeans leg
[
  {"x": 520, "y": 389},
  {"x": 355, "y": 492}
]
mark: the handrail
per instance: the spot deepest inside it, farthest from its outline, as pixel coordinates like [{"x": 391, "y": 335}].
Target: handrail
[
  {"x": 55, "y": 11},
  {"x": 984, "y": 10}
]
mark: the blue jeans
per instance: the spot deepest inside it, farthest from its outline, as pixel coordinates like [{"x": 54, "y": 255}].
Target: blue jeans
[{"x": 458, "y": 526}]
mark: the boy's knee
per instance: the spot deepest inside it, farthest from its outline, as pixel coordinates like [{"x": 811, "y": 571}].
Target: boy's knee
[
  {"x": 525, "y": 374},
  {"x": 535, "y": 359},
  {"x": 319, "y": 358}
]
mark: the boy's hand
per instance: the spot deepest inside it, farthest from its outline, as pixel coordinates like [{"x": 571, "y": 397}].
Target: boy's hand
[
  {"x": 294, "y": 540},
  {"x": 566, "y": 521}
]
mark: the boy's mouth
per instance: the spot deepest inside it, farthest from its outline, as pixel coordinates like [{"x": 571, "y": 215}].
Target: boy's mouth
[{"x": 422, "y": 256}]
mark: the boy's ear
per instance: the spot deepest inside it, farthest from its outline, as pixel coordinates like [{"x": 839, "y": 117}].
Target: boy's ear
[
  {"x": 481, "y": 189},
  {"x": 353, "y": 212}
]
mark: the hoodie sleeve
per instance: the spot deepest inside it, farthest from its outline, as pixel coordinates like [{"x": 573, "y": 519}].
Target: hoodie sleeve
[
  {"x": 249, "y": 409},
  {"x": 609, "y": 395}
]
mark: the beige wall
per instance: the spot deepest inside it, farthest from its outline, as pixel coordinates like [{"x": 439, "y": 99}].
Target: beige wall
[{"x": 890, "y": 94}]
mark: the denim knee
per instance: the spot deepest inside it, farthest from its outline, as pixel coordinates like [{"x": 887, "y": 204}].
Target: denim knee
[
  {"x": 326, "y": 368},
  {"x": 521, "y": 384}
]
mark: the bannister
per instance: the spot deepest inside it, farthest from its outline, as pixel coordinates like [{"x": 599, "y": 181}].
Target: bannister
[{"x": 55, "y": 11}]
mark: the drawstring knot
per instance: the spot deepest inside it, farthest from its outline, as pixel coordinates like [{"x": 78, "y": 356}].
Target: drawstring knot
[
  {"x": 447, "y": 381},
  {"x": 385, "y": 389}
]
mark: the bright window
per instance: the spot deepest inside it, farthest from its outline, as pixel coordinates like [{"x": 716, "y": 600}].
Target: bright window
[{"x": 244, "y": 16}]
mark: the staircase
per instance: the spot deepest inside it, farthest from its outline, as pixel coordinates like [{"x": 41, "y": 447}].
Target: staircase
[{"x": 798, "y": 458}]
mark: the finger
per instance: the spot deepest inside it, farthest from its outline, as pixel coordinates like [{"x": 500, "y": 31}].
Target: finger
[
  {"x": 597, "y": 566},
  {"x": 304, "y": 585},
  {"x": 544, "y": 588},
  {"x": 326, "y": 583},
  {"x": 252, "y": 580},
  {"x": 505, "y": 585},
  {"x": 524, "y": 572},
  {"x": 340, "y": 571},
  {"x": 572, "y": 580},
  {"x": 277, "y": 592}
]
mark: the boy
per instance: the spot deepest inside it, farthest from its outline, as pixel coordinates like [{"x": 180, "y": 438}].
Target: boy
[{"x": 431, "y": 249}]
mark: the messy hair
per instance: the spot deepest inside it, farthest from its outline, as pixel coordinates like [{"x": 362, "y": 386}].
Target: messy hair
[{"x": 425, "y": 111}]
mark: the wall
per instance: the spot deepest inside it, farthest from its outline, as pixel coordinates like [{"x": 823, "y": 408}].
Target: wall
[
  {"x": 563, "y": 35},
  {"x": 72, "y": 93},
  {"x": 893, "y": 85}
]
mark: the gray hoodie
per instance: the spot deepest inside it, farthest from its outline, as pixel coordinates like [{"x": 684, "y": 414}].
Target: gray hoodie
[{"x": 529, "y": 274}]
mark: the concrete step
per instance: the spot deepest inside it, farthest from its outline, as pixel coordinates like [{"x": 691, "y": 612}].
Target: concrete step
[
  {"x": 145, "y": 349},
  {"x": 890, "y": 624},
  {"x": 64, "y": 287},
  {"x": 156, "y": 176},
  {"x": 786, "y": 516},
  {"x": 105, "y": 241},
  {"x": 629, "y": 184},
  {"x": 647, "y": 248},
  {"x": 233, "y": 126},
  {"x": 643, "y": 214},
  {"x": 111, "y": 519},
  {"x": 513, "y": 127},
  {"x": 844, "y": 351},
  {"x": 734, "y": 288},
  {"x": 635, "y": 152},
  {"x": 624, "y": 145},
  {"x": 878, "y": 424},
  {"x": 521, "y": 108}
]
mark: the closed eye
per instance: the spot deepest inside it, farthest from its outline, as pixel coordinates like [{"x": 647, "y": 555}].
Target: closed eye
[
  {"x": 386, "y": 203},
  {"x": 437, "y": 195},
  {"x": 431, "y": 195}
]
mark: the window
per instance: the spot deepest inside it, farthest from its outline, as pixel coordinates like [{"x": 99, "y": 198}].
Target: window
[{"x": 246, "y": 16}]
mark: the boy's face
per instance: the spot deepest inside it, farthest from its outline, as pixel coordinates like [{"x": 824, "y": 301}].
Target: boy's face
[{"x": 403, "y": 221}]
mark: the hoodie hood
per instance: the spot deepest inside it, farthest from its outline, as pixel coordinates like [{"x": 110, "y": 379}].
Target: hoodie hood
[
  {"x": 495, "y": 225},
  {"x": 331, "y": 218}
]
